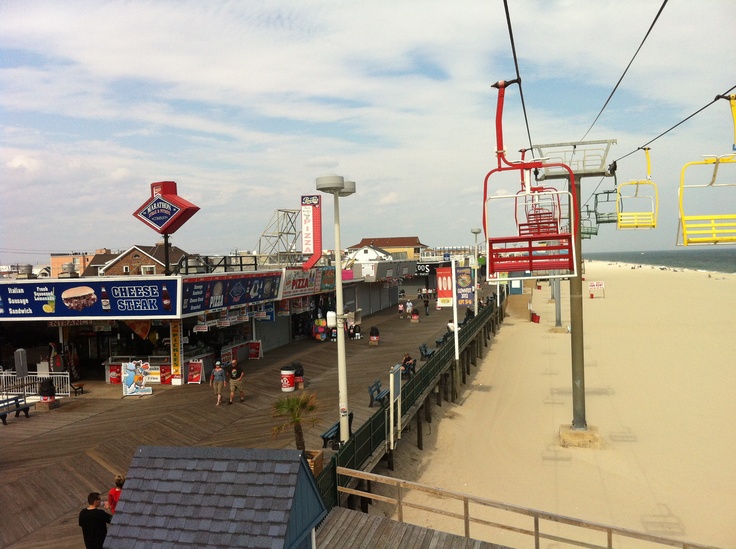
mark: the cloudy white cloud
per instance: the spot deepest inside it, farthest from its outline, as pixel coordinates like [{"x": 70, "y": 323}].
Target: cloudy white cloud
[{"x": 245, "y": 103}]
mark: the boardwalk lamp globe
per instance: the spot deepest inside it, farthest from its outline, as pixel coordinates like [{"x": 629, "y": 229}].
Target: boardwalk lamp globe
[{"x": 338, "y": 187}]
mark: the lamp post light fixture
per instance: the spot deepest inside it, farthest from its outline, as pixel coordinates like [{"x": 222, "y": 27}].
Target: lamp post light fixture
[
  {"x": 475, "y": 232},
  {"x": 338, "y": 187}
]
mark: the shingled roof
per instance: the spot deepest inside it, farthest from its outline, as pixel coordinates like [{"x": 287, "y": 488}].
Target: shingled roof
[
  {"x": 390, "y": 242},
  {"x": 216, "y": 498}
]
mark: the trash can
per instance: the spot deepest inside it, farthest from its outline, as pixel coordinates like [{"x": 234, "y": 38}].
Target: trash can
[
  {"x": 374, "y": 336},
  {"x": 298, "y": 374},
  {"x": 287, "y": 379},
  {"x": 46, "y": 390}
]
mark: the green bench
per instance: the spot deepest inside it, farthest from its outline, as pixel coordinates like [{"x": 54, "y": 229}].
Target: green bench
[
  {"x": 377, "y": 394},
  {"x": 15, "y": 404}
]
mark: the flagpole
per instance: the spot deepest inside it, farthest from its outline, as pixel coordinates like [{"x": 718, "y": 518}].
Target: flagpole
[{"x": 454, "y": 313}]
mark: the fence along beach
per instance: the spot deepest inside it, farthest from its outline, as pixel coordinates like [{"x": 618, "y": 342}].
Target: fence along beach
[{"x": 659, "y": 376}]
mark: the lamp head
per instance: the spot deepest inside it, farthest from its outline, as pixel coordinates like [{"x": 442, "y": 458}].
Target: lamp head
[
  {"x": 330, "y": 184},
  {"x": 475, "y": 231}
]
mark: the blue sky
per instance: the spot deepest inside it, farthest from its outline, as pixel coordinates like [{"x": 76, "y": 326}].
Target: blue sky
[{"x": 244, "y": 104}]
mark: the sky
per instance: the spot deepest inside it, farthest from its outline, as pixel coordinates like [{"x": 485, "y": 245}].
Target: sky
[{"x": 245, "y": 104}]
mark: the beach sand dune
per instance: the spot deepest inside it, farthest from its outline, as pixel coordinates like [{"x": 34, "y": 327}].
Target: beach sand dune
[{"x": 660, "y": 376}]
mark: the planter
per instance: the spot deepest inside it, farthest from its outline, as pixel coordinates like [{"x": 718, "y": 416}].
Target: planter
[{"x": 314, "y": 458}]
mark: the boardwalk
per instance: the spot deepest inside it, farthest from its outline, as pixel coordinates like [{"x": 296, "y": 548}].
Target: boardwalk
[{"x": 51, "y": 461}]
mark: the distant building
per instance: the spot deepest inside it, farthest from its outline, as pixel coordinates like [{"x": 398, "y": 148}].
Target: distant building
[
  {"x": 400, "y": 247},
  {"x": 141, "y": 260},
  {"x": 367, "y": 254},
  {"x": 73, "y": 262}
]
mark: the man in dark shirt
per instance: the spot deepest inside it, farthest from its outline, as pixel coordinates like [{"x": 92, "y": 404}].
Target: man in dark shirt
[
  {"x": 94, "y": 522},
  {"x": 237, "y": 384}
]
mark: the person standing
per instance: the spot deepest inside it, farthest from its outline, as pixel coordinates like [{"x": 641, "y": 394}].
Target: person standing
[
  {"x": 93, "y": 522},
  {"x": 236, "y": 377},
  {"x": 401, "y": 310},
  {"x": 409, "y": 308},
  {"x": 113, "y": 496},
  {"x": 426, "y": 305},
  {"x": 217, "y": 380}
]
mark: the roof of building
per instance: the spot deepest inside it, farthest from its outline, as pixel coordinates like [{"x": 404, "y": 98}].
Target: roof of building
[
  {"x": 216, "y": 498},
  {"x": 99, "y": 260},
  {"x": 156, "y": 253},
  {"x": 391, "y": 242}
]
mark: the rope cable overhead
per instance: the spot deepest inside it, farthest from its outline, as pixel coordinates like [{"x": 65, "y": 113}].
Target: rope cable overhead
[
  {"x": 701, "y": 109},
  {"x": 627, "y": 68},
  {"x": 516, "y": 65}
]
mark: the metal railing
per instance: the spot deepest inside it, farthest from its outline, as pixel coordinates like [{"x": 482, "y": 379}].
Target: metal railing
[
  {"x": 493, "y": 514},
  {"x": 11, "y": 384},
  {"x": 371, "y": 438}
]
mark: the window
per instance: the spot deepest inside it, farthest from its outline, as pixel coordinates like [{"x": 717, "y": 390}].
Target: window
[
  {"x": 126, "y": 269},
  {"x": 148, "y": 269}
]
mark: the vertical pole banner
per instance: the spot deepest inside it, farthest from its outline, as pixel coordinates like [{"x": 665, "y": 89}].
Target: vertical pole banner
[
  {"x": 175, "y": 327},
  {"x": 311, "y": 230},
  {"x": 444, "y": 287},
  {"x": 464, "y": 286}
]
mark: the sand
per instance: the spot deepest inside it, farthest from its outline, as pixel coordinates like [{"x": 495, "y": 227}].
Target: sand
[{"x": 660, "y": 375}]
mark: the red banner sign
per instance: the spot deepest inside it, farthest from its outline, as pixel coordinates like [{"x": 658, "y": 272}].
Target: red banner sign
[{"x": 311, "y": 230}]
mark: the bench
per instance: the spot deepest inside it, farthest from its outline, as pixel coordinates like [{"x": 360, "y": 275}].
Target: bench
[
  {"x": 410, "y": 369},
  {"x": 333, "y": 433},
  {"x": 377, "y": 394},
  {"x": 440, "y": 341},
  {"x": 78, "y": 388},
  {"x": 425, "y": 352},
  {"x": 15, "y": 404}
]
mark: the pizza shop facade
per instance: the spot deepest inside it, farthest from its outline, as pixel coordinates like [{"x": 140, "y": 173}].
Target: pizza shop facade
[{"x": 92, "y": 326}]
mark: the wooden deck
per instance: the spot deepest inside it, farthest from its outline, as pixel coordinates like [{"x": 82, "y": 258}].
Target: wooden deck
[{"x": 51, "y": 461}]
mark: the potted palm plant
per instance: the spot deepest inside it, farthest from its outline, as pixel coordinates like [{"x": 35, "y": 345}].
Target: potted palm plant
[{"x": 296, "y": 410}]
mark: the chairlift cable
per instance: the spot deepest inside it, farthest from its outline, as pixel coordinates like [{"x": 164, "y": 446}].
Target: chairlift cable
[
  {"x": 516, "y": 65},
  {"x": 626, "y": 70},
  {"x": 716, "y": 98}
]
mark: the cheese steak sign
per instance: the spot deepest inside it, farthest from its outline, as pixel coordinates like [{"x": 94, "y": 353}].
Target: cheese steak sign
[{"x": 94, "y": 298}]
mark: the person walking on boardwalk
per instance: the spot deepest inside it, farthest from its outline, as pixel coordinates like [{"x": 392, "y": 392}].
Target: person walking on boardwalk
[
  {"x": 93, "y": 522},
  {"x": 401, "y": 310},
  {"x": 426, "y": 305},
  {"x": 113, "y": 496},
  {"x": 217, "y": 380},
  {"x": 236, "y": 377},
  {"x": 409, "y": 308}
]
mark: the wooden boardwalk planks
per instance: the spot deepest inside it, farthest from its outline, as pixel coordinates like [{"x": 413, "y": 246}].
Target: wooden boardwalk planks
[{"x": 51, "y": 461}]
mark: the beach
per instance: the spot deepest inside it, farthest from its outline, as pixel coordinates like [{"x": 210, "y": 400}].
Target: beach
[{"x": 660, "y": 373}]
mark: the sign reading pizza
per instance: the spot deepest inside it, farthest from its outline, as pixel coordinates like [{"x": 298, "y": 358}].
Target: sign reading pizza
[
  {"x": 165, "y": 211},
  {"x": 311, "y": 230}
]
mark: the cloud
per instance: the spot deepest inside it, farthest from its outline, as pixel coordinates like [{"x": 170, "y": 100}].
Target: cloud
[{"x": 244, "y": 104}]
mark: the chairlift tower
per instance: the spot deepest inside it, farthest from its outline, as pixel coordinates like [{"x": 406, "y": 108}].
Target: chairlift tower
[
  {"x": 280, "y": 243},
  {"x": 585, "y": 159}
]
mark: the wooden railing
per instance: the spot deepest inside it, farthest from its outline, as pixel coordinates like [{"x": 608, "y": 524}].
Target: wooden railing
[{"x": 582, "y": 529}]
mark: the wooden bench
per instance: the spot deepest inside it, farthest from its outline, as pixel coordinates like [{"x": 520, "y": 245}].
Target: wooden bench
[
  {"x": 15, "y": 404},
  {"x": 377, "y": 394},
  {"x": 78, "y": 388},
  {"x": 333, "y": 433},
  {"x": 425, "y": 352}
]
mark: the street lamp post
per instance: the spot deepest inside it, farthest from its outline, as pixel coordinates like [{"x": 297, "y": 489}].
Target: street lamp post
[
  {"x": 475, "y": 232},
  {"x": 337, "y": 186}
]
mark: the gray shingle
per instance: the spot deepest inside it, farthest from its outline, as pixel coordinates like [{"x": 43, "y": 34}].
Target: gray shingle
[{"x": 216, "y": 497}]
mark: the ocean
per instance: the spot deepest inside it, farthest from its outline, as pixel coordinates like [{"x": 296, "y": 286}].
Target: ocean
[{"x": 720, "y": 259}]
